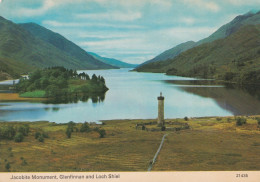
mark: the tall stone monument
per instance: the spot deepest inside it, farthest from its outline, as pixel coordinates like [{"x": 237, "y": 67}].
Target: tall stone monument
[{"x": 160, "y": 109}]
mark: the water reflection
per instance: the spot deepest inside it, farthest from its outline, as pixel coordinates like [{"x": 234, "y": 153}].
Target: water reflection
[
  {"x": 55, "y": 109},
  {"x": 240, "y": 100},
  {"x": 95, "y": 98},
  {"x": 253, "y": 90}
]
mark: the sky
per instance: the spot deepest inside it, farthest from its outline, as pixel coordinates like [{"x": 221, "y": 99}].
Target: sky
[{"x": 133, "y": 31}]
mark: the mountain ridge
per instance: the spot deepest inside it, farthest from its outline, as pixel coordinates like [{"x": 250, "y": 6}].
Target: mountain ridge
[
  {"x": 224, "y": 31},
  {"x": 112, "y": 61},
  {"x": 235, "y": 58},
  {"x": 171, "y": 53},
  {"x": 19, "y": 46},
  {"x": 231, "y": 27},
  {"x": 62, "y": 44}
]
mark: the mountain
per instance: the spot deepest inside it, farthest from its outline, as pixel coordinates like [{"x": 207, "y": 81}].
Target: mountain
[
  {"x": 68, "y": 47},
  {"x": 173, "y": 52},
  {"x": 223, "y": 32},
  {"x": 249, "y": 18},
  {"x": 235, "y": 58},
  {"x": 20, "y": 47},
  {"x": 12, "y": 69},
  {"x": 113, "y": 62}
]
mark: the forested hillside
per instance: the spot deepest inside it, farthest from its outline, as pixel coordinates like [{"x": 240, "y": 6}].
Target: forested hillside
[{"x": 235, "y": 58}]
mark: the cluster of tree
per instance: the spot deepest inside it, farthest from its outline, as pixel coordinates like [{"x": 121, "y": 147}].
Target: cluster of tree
[
  {"x": 7, "y": 163},
  {"x": 218, "y": 119},
  {"x": 252, "y": 77},
  {"x": 84, "y": 127},
  {"x": 198, "y": 70},
  {"x": 71, "y": 128},
  {"x": 40, "y": 136},
  {"x": 60, "y": 83},
  {"x": 7, "y": 166},
  {"x": 23, "y": 161},
  {"x": 240, "y": 121},
  {"x": 242, "y": 78},
  {"x": 17, "y": 134},
  {"x": 258, "y": 121}
]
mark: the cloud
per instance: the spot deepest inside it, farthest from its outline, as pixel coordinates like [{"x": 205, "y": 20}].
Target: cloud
[
  {"x": 212, "y": 6},
  {"x": 46, "y": 5},
  {"x": 136, "y": 3},
  {"x": 134, "y": 50},
  {"x": 182, "y": 34},
  {"x": 243, "y": 2},
  {"x": 131, "y": 45},
  {"x": 112, "y": 16},
  {"x": 50, "y": 4},
  {"x": 187, "y": 20},
  {"x": 53, "y": 23},
  {"x": 141, "y": 46},
  {"x": 203, "y": 4},
  {"x": 104, "y": 35},
  {"x": 128, "y": 44}
]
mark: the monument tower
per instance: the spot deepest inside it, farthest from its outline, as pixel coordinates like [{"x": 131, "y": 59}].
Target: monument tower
[{"x": 160, "y": 109}]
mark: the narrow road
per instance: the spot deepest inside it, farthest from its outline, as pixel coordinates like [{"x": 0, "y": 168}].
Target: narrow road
[{"x": 157, "y": 153}]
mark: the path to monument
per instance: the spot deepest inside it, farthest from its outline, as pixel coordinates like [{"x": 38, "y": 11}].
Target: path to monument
[{"x": 157, "y": 153}]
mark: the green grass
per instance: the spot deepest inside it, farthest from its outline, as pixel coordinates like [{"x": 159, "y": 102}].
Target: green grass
[{"x": 34, "y": 94}]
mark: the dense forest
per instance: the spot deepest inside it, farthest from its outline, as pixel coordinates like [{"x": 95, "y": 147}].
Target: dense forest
[{"x": 59, "y": 84}]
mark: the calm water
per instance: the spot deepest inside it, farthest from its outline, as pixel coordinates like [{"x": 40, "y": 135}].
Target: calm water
[{"x": 133, "y": 95}]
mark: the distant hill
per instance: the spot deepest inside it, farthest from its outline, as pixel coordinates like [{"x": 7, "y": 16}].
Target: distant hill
[
  {"x": 172, "y": 53},
  {"x": 21, "y": 50},
  {"x": 223, "y": 32},
  {"x": 113, "y": 62},
  {"x": 235, "y": 58}
]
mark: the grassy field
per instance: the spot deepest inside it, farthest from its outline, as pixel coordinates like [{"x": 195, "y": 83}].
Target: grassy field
[
  {"x": 210, "y": 144},
  {"x": 34, "y": 94},
  {"x": 16, "y": 97}
]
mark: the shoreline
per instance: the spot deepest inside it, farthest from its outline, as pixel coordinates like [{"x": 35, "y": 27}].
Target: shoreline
[
  {"x": 9, "y": 81},
  {"x": 237, "y": 83},
  {"x": 16, "y": 97},
  {"x": 139, "y": 120}
]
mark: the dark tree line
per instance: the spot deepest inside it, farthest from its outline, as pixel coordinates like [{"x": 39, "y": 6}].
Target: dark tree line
[{"x": 84, "y": 127}]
